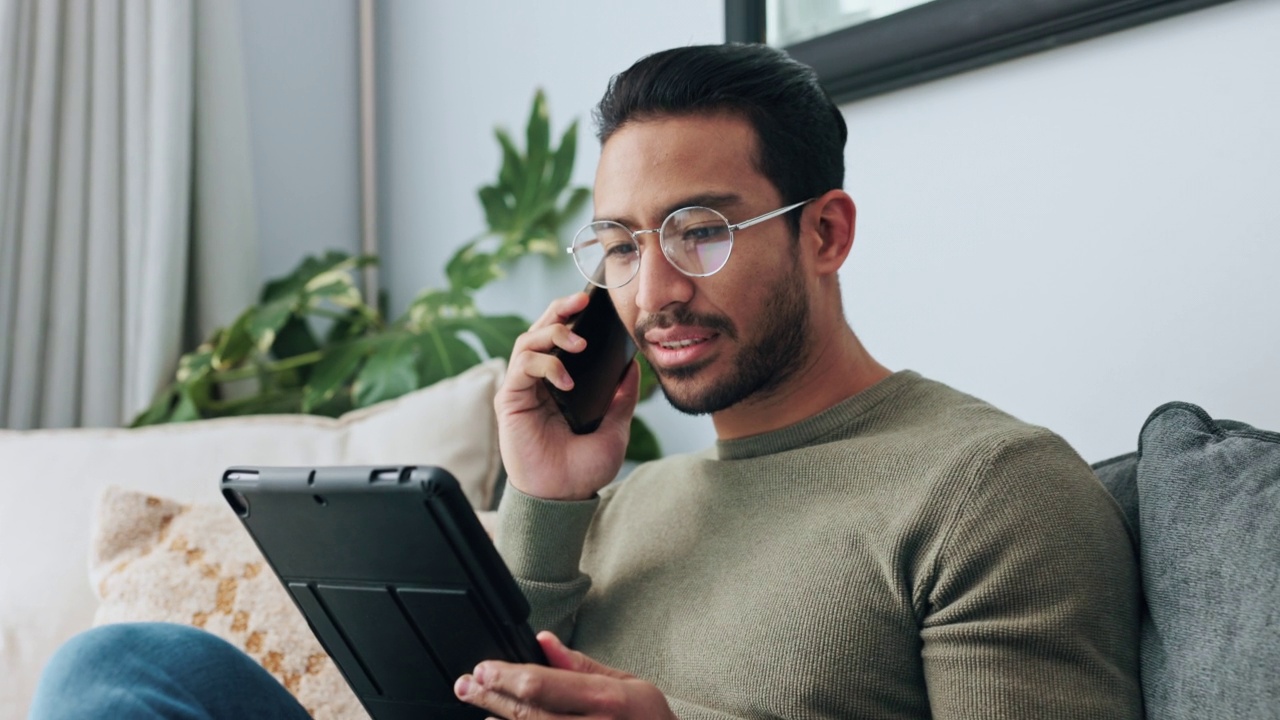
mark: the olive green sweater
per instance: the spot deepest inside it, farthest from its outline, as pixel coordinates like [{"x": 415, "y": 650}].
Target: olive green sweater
[{"x": 909, "y": 553}]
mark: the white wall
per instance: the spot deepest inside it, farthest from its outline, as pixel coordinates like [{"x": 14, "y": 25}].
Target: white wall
[
  {"x": 1076, "y": 236},
  {"x": 1083, "y": 234},
  {"x": 302, "y": 79},
  {"x": 452, "y": 71}
]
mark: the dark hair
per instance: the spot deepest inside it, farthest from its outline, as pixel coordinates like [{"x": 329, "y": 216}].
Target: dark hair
[{"x": 800, "y": 132}]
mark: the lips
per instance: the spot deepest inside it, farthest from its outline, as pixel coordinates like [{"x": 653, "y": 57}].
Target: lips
[
  {"x": 675, "y": 337},
  {"x": 671, "y": 348},
  {"x": 681, "y": 343}
]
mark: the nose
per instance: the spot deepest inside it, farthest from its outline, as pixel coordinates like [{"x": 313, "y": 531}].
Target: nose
[{"x": 658, "y": 284}]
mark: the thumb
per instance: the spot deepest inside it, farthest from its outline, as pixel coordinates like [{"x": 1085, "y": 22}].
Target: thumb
[{"x": 563, "y": 658}]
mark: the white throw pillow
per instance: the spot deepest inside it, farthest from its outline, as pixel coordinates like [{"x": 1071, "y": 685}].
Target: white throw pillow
[{"x": 50, "y": 480}]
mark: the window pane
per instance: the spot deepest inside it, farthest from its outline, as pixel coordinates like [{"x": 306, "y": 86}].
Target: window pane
[{"x": 792, "y": 21}]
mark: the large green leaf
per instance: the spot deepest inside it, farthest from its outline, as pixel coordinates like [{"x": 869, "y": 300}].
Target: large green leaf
[
  {"x": 186, "y": 409},
  {"x": 159, "y": 410},
  {"x": 496, "y": 211},
  {"x": 336, "y": 286},
  {"x": 496, "y": 333},
  {"x": 195, "y": 365},
  {"x": 295, "y": 282},
  {"x": 549, "y": 246},
  {"x": 537, "y": 147},
  {"x": 433, "y": 305},
  {"x": 561, "y": 164},
  {"x": 577, "y": 199},
  {"x": 471, "y": 269},
  {"x": 511, "y": 176},
  {"x": 271, "y": 402},
  {"x": 643, "y": 446},
  {"x": 201, "y": 391},
  {"x": 352, "y": 324},
  {"x": 390, "y": 372},
  {"x": 543, "y": 221},
  {"x": 236, "y": 343},
  {"x": 294, "y": 338},
  {"x": 269, "y": 320},
  {"x": 297, "y": 370},
  {"x": 333, "y": 371},
  {"x": 337, "y": 405},
  {"x": 442, "y": 355}
]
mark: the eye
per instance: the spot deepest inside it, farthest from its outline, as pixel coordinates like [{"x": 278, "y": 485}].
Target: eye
[
  {"x": 704, "y": 234},
  {"x": 620, "y": 250}
]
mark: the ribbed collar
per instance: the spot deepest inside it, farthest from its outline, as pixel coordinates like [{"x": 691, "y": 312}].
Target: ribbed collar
[{"x": 817, "y": 427}]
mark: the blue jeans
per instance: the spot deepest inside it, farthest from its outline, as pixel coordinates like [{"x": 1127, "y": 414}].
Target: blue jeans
[{"x": 156, "y": 670}]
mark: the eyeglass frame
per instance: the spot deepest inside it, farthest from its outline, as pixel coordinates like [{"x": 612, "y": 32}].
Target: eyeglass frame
[{"x": 635, "y": 236}]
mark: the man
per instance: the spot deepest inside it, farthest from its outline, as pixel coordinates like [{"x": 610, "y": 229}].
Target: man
[{"x": 859, "y": 543}]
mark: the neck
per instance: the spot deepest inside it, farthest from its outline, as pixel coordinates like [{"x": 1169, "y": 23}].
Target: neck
[{"x": 834, "y": 370}]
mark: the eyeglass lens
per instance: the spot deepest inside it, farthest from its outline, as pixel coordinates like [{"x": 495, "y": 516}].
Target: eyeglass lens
[{"x": 696, "y": 240}]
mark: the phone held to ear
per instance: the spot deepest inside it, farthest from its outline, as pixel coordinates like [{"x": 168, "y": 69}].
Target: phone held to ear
[{"x": 598, "y": 370}]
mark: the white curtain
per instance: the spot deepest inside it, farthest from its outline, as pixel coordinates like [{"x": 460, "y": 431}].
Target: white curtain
[{"x": 125, "y": 206}]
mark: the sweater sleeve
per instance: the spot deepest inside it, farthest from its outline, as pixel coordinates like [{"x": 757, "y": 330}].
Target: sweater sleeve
[
  {"x": 541, "y": 542},
  {"x": 1032, "y": 608}
]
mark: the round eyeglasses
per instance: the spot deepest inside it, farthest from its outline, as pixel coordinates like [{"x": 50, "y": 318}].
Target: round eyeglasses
[{"x": 696, "y": 240}]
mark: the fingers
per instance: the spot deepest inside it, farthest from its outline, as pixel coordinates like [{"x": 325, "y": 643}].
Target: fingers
[
  {"x": 575, "y": 685},
  {"x": 536, "y": 692},
  {"x": 561, "y": 309},
  {"x": 530, "y": 358},
  {"x": 560, "y": 656},
  {"x": 468, "y": 689}
]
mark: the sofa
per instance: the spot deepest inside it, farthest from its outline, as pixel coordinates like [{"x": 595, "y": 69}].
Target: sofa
[
  {"x": 101, "y": 526},
  {"x": 108, "y": 525},
  {"x": 1202, "y": 499}
]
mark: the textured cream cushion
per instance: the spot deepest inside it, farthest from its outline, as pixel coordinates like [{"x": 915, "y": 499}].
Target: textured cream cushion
[
  {"x": 154, "y": 559},
  {"x": 50, "y": 480}
]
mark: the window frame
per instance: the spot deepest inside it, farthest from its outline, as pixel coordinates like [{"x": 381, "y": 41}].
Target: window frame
[{"x": 945, "y": 37}]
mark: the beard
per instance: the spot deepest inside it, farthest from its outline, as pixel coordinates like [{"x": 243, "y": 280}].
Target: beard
[{"x": 778, "y": 351}]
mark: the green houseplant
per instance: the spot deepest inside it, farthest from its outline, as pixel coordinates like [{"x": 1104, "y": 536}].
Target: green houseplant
[{"x": 274, "y": 359}]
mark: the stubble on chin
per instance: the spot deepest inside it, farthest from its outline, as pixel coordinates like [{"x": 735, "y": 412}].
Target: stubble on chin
[{"x": 758, "y": 369}]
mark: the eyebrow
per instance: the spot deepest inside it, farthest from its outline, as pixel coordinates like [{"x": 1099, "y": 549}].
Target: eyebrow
[{"x": 715, "y": 201}]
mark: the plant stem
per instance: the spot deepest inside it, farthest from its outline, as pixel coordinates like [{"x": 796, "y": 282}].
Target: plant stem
[
  {"x": 252, "y": 371},
  {"x": 321, "y": 312},
  {"x": 333, "y": 314},
  {"x": 223, "y": 406}
]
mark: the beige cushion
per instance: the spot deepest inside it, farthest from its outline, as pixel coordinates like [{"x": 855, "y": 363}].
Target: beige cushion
[
  {"x": 154, "y": 559},
  {"x": 157, "y": 560},
  {"x": 50, "y": 480}
]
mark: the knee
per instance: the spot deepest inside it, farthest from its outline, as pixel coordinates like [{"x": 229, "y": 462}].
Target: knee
[
  {"x": 115, "y": 670},
  {"x": 120, "y": 646}
]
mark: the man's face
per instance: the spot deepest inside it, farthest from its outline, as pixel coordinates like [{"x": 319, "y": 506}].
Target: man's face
[{"x": 741, "y": 332}]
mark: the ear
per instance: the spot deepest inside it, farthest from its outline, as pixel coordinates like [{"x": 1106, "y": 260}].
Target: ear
[{"x": 833, "y": 218}]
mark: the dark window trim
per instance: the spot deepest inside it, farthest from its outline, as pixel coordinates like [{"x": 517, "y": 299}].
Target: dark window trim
[{"x": 945, "y": 37}]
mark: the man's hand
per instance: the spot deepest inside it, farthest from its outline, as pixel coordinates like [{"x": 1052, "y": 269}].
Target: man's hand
[
  {"x": 543, "y": 457},
  {"x": 574, "y": 686}
]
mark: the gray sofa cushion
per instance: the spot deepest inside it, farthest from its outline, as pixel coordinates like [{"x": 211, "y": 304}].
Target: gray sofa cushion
[
  {"x": 1209, "y": 519},
  {"x": 1119, "y": 476}
]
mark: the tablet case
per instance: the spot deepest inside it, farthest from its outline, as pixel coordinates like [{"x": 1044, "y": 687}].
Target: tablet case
[{"x": 394, "y": 574}]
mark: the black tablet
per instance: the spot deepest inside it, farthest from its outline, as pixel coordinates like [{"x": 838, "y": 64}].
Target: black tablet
[{"x": 394, "y": 574}]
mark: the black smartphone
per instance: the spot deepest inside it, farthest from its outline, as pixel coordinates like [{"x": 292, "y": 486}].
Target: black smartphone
[{"x": 599, "y": 368}]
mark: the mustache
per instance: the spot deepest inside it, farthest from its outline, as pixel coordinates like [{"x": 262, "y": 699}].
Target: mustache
[{"x": 682, "y": 315}]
